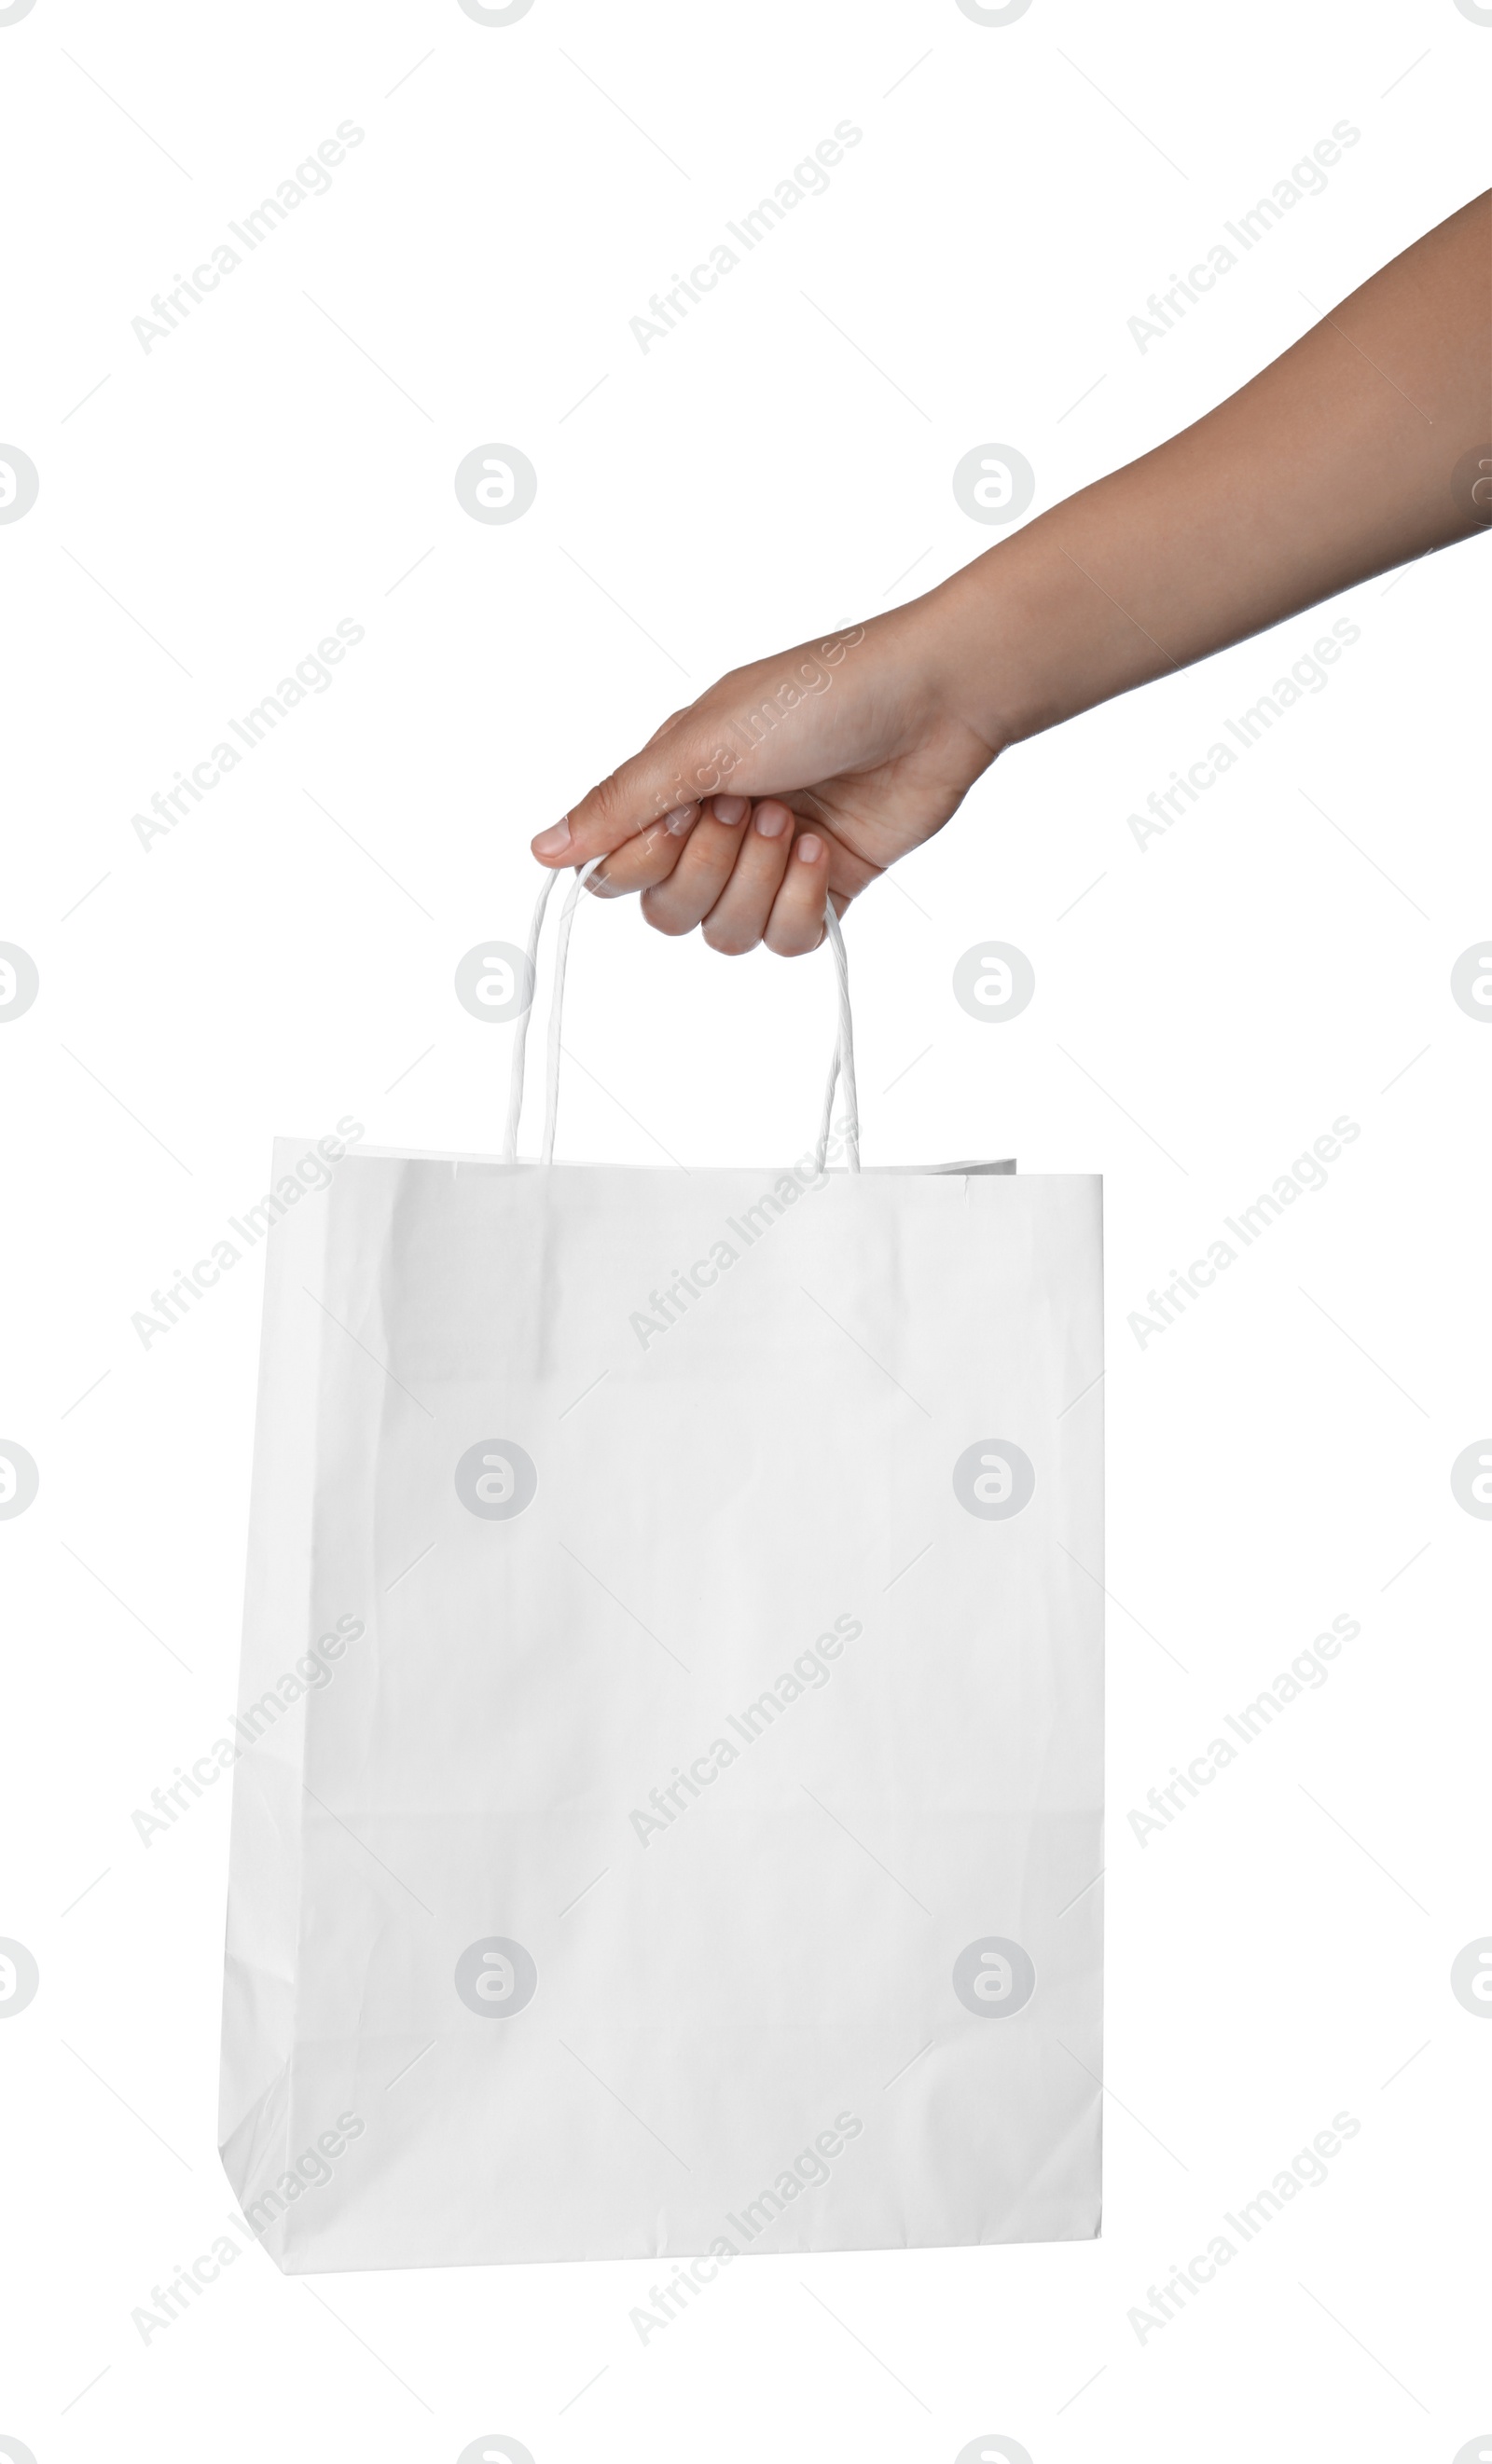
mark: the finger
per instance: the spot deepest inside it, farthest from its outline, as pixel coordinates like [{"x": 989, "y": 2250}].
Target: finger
[
  {"x": 665, "y": 776},
  {"x": 797, "y": 922},
  {"x": 700, "y": 751},
  {"x": 691, "y": 890},
  {"x": 737, "y": 918},
  {"x": 648, "y": 858}
]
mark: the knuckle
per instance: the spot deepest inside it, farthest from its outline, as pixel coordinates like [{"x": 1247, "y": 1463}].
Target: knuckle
[
  {"x": 665, "y": 918},
  {"x": 607, "y": 804}
]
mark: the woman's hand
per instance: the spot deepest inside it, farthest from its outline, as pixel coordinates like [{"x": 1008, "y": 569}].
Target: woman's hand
[
  {"x": 1363, "y": 447},
  {"x": 800, "y": 777}
]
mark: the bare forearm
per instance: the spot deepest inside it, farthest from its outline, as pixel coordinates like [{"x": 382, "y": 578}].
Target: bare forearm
[
  {"x": 1334, "y": 464},
  {"x": 1357, "y": 450}
]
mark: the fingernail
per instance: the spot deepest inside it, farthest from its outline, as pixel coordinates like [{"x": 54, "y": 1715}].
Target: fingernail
[
  {"x": 682, "y": 819},
  {"x": 808, "y": 850},
  {"x": 730, "y": 810},
  {"x": 772, "y": 820},
  {"x": 553, "y": 841}
]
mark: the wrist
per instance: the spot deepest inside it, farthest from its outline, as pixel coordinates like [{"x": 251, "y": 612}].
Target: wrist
[
  {"x": 1031, "y": 633},
  {"x": 998, "y": 624}
]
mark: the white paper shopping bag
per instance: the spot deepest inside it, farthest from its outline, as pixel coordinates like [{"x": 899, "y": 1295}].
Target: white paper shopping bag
[{"x": 673, "y": 1654}]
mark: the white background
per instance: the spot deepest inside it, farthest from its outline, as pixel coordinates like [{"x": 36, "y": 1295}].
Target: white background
[{"x": 779, "y": 465}]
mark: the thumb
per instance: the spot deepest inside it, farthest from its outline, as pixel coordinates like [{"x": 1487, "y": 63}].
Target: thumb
[
  {"x": 671, "y": 773},
  {"x": 728, "y": 739}
]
